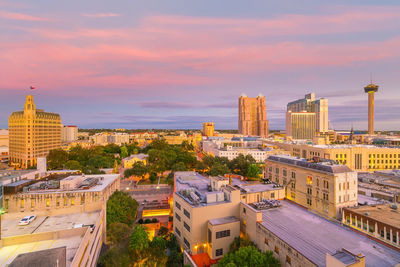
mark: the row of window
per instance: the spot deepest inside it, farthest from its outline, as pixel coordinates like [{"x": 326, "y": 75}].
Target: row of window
[{"x": 222, "y": 234}]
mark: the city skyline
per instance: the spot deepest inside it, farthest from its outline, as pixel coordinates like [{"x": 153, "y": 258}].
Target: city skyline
[{"x": 158, "y": 65}]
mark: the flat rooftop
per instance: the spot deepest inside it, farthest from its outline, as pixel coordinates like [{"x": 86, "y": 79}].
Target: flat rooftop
[
  {"x": 12, "y": 174},
  {"x": 314, "y": 236},
  {"x": 10, "y": 227},
  {"x": 323, "y": 166},
  {"x": 224, "y": 220},
  {"x": 258, "y": 187},
  {"x": 382, "y": 213}
]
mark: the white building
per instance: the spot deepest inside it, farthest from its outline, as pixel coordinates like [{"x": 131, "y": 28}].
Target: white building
[{"x": 69, "y": 133}]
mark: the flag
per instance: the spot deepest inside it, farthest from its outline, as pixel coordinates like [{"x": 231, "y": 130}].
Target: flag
[{"x": 32, "y": 87}]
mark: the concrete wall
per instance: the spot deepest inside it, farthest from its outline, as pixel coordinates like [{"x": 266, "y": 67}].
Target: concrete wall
[{"x": 224, "y": 242}]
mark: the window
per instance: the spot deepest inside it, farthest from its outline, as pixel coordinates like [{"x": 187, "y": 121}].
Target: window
[
  {"x": 284, "y": 173},
  {"x": 47, "y": 202},
  {"x": 219, "y": 252},
  {"x": 309, "y": 202},
  {"x": 177, "y": 217},
  {"x": 6, "y": 204},
  {"x": 272, "y": 195},
  {"x": 58, "y": 201},
  {"x": 177, "y": 231},
  {"x": 293, "y": 195},
  {"x": 209, "y": 236},
  {"x": 22, "y": 203},
  {"x": 293, "y": 175},
  {"x": 72, "y": 201},
  {"x": 266, "y": 241},
  {"x": 186, "y": 226},
  {"x": 222, "y": 234},
  {"x": 177, "y": 205},
  {"x": 288, "y": 259},
  {"x": 394, "y": 239},
  {"x": 82, "y": 199},
  {"x": 382, "y": 234},
  {"x": 65, "y": 201},
  {"x": 187, "y": 214},
  {"x": 293, "y": 185},
  {"x": 244, "y": 210},
  {"x": 309, "y": 191},
  {"x": 309, "y": 180},
  {"x": 276, "y": 250},
  {"x": 277, "y": 170},
  {"x": 186, "y": 243}
]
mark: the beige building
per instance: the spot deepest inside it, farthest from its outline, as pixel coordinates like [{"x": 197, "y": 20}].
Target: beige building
[
  {"x": 323, "y": 187},
  {"x": 33, "y": 133},
  {"x": 69, "y": 133},
  {"x": 132, "y": 159},
  {"x": 253, "y": 116},
  {"x": 3, "y": 138},
  {"x": 356, "y": 157},
  {"x": 109, "y": 138},
  {"x": 206, "y": 211},
  {"x": 299, "y": 238},
  {"x": 71, "y": 214},
  {"x": 300, "y": 125},
  {"x": 310, "y": 104},
  {"x": 208, "y": 128}
]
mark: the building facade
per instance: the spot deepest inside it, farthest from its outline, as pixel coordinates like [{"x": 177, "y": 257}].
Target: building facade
[
  {"x": 319, "y": 186},
  {"x": 300, "y": 125},
  {"x": 32, "y": 133},
  {"x": 69, "y": 133},
  {"x": 208, "y": 128},
  {"x": 253, "y": 116},
  {"x": 310, "y": 104}
]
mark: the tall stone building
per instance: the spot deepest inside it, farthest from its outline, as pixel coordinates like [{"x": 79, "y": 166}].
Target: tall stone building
[
  {"x": 253, "y": 116},
  {"x": 32, "y": 133}
]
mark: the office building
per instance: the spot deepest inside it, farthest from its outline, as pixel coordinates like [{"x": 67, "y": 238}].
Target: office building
[
  {"x": 69, "y": 134},
  {"x": 71, "y": 214},
  {"x": 32, "y": 133},
  {"x": 323, "y": 187},
  {"x": 311, "y": 105},
  {"x": 356, "y": 157},
  {"x": 253, "y": 116},
  {"x": 370, "y": 89},
  {"x": 208, "y": 128},
  {"x": 109, "y": 138},
  {"x": 298, "y": 237},
  {"x": 4, "y": 137},
  {"x": 300, "y": 125}
]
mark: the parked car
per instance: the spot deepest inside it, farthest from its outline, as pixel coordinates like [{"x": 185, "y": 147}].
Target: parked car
[{"x": 27, "y": 220}]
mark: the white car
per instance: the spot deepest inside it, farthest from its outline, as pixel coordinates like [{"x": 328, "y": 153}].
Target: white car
[{"x": 27, "y": 220}]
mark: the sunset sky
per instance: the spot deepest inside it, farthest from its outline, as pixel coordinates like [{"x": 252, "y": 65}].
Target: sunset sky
[{"x": 175, "y": 64}]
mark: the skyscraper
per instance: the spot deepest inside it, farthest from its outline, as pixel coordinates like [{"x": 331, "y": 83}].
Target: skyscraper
[
  {"x": 32, "y": 133},
  {"x": 300, "y": 125},
  {"x": 208, "y": 128},
  {"x": 370, "y": 89},
  {"x": 253, "y": 116},
  {"x": 308, "y": 104}
]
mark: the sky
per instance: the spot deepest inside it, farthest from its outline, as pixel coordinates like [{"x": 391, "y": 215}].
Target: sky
[{"x": 176, "y": 63}]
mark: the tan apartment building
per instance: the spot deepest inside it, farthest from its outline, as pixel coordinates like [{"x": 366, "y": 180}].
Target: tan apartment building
[
  {"x": 298, "y": 237},
  {"x": 300, "y": 125},
  {"x": 253, "y": 116},
  {"x": 379, "y": 221},
  {"x": 69, "y": 134},
  {"x": 32, "y": 133},
  {"x": 206, "y": 211},
  {"x": 208, "y": 128},
  {"x": 356, "y": 157},
  {"x": 323, "y": 187}
]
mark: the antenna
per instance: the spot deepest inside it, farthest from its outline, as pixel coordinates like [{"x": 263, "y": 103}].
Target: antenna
[{"x": 371, "y": 77}]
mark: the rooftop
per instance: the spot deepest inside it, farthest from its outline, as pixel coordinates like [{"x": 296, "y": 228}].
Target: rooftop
[
  {"x": 224, "y": 220},
  {"x": 43, "y": 258},
  {"x": 383, "y": 213},
  {"x": 314, "y": 236},
  {"x": 139, "y": 156},
  {"x": 345, "y": 257},
  {"x": 326, "y": 166},
  {"x": 13, "y": 174},
  {"x": 258, "y": 187}
]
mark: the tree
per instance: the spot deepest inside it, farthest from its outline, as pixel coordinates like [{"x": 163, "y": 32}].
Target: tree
[
  {"x": 239, "y": 242},
  {"x": 121, "y": 207},
  {"x": 138, "y": 169},
  {"x": 73, "y": 165},
  {"x": 254, "y": 171},
  {"x": 162, "y": 231},
  {"x": 57, "y": 158},
  {"x": 249, "y": 256},
  {"x": 139, "y": 239},
  {"x": 116, "y": 232},
  {"x": 219, "y": 169},
  {"x": 179, "y": 167},
  {"x": 124, "y": 152}
]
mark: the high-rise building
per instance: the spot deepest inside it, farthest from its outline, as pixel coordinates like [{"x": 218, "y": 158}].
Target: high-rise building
[
  {"x": 208, "y": 128},
  {"x": 319, "y": 107},
  {"x": 300, "y": 125},
  {"x": 370, "y": 89},
  {"x": 253, "y": 116},
  {"x": 32, "y": 133},
  {"x": 69, "y": 133}
]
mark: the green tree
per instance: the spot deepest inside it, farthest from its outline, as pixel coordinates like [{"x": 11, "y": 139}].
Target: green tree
[
  {"x": 138, "y": 169},
  {"x": 73, "y": 165},
  {"x": 162, "y": 231},
  {"x": 121, "y": 207},
  {"x": 249, "y": 256},
  {"x": 116, "y": 232},
  {"x": 219, "y": 169},
  {"x": 57, "y": 158},
  {"x": 254, "y": 171},
  {"x": 179, "y": 167},
  {"x": 139, "y": 239},
  {"x": 124, "y": 152}
]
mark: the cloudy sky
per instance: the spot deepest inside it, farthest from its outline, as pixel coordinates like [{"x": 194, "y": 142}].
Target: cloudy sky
[{"x": 176, "y": 63}]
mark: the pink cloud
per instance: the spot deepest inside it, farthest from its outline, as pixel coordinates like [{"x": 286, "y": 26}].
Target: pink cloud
[
  {"x": 101, "y": 15},
  {"x": 20, "y": 16}
]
